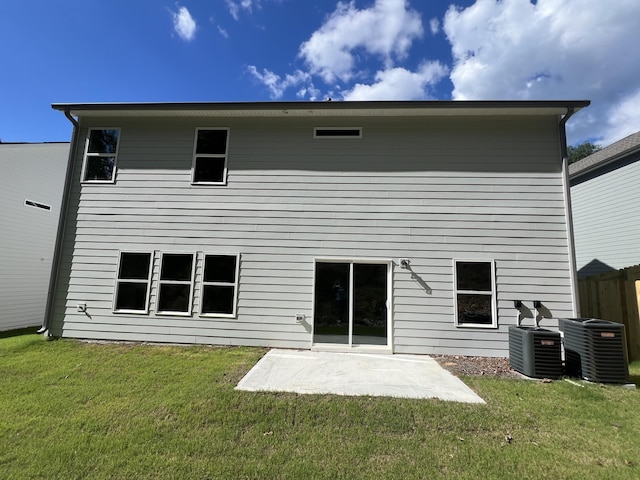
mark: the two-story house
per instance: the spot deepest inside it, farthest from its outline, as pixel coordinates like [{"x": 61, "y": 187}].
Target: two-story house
[{"x": 407, "y": 227}]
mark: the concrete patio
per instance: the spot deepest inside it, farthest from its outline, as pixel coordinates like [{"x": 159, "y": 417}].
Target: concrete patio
[{"x": 385, "y": 375}]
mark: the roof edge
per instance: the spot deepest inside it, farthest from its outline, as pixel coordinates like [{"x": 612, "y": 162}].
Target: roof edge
[
  {"x": 627, "y": 146},
  {"x": 338, "y": 105}
]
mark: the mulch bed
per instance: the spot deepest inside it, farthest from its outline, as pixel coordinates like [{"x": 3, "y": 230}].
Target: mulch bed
[{"x": 477, "y": 366}]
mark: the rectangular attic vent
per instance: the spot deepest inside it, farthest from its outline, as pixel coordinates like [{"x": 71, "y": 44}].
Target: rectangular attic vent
[
  {"x": 31, "y": 203},
  {"x": 337, "y": 132}
]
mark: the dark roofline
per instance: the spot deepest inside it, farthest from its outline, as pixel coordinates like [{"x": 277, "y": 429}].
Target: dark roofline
[
  {"x": 54, "y": 142},
  {"x": 616, "y": 151},
  {"x": 338, "y": 105}
]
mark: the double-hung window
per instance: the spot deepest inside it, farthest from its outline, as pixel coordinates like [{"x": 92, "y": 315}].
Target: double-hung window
[
  {"x": 132, "y": 286},
  {"x": 175, "y": 284},
  {"x": 474, "y": 283},
  {"x": 100, "y": 155},
  {"x": 210, "y": 156},
  {"x": 220, "y": 285}
]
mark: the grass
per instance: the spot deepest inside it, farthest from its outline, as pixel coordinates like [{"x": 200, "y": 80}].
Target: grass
[{"x": 80, "y": 410}]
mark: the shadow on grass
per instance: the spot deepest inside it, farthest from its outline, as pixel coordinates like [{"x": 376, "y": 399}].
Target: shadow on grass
[
  {"x": 634, "y": 372},
  {"x": 19, "y": 332}
]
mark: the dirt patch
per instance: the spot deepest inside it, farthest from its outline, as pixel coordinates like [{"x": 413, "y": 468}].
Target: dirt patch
[{"x": 477, "y": 366}]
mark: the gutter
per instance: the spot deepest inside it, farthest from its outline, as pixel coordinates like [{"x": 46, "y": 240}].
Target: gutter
[
  {"x": 567, "y": 207},
  {"x": 62, "y": 220}
]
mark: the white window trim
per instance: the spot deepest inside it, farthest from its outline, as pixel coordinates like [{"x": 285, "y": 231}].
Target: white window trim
[
  {"x": 148, "y": 282},
  {"x": 359, "y": 129},
  {"x": 354, "y": 260},
  {"x": 210, "y": 155},
  {"x": 87, "y": 155},
  {"x": 223, "y": 284},
  {"x": 493, "y": 293},
  {"x": 176, "y": 282}
]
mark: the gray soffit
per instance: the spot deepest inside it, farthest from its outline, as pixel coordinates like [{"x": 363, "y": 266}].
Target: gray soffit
[
  {"x": 322, "y": 109},
  {"x": 613, "y": 152}
]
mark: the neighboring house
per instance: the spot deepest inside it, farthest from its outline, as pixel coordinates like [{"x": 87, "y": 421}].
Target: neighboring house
[
  {"x": 605, "y": 197},
  {"x": 31, "y": 184},
  {"x": 408, "y": 227}
]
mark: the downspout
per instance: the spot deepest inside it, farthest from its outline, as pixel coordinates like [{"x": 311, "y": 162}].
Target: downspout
[
  {"x": 567, "y": 207},
  {"x": 62, "y": 220}
]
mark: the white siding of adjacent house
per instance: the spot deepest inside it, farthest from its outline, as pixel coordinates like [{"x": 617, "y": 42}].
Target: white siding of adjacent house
[
  {"x": 429, "y": 190},
  {"x": 32, "y": 172},
  {"x": 605, "y": 220}
]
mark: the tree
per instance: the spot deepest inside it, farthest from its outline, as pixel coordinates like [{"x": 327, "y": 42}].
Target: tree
[{"x": 581, "y": 151}]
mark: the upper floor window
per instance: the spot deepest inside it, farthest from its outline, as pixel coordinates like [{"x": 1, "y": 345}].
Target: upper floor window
[
  {"x": 210, "y": 156},
  {"x": 475, "y": 294},
  {"x": 100, "y": 155}
]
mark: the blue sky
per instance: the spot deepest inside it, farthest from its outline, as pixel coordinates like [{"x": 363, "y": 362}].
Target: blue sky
[{"x": 307, "y": 50}]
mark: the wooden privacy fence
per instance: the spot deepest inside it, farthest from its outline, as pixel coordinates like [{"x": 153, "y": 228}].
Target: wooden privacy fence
[{"x": 614, "y": 296}]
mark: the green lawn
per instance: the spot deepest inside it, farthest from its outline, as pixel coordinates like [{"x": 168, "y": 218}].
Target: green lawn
[{"x": 78, "y": 410}]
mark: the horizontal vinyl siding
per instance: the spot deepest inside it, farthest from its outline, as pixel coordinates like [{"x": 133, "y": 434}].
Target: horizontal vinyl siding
[
  {"x": 430, "y": 190},
  {"x": 32, "y": 172},
  {"x": 606, "y": 221}
]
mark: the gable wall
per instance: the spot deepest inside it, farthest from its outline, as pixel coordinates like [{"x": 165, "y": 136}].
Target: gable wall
[
  {"x": 606, "y": 220},
  {"x": 27, "y": 234},
  {"x": 430, "y": 190}
]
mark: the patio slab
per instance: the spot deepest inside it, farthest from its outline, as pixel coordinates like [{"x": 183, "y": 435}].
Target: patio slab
[{"x": 353, "y": 374}]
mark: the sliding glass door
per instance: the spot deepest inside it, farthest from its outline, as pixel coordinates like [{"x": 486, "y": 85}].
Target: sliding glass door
[{"x": 351, "y": 303}]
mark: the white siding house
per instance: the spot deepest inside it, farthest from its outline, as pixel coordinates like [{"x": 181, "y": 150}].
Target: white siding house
[
  {"x": 408, "y": 227},
  {"x": 605, "y": 199},
  {"x": 31, "y": 183}
]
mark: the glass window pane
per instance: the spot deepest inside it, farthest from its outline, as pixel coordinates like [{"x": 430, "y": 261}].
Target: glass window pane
[
  {"x": 209, "y": 169},
  {"x": 131, "y": 296},
  {"x": 134, "y": 266},
  {"x": 103, "y": 141},
  {"x": 174, "y": 298},
  {"x": 212, "y": 141},
  {"x": 220, "y": 268},
  {"x": 99, "y": 168},
  {"x": 474, "y": 309},
  {"x": 218, "y": 299},
  {"x": 176, "y": 266},
  {"x": 473, "y": 276}
]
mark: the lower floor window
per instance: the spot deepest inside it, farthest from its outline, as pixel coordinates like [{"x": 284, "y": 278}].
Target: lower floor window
[
  {"x": 219, "y": 285},
  {"x": 474, "y": 288},
  {"x": 132, "y": 285},
  {"x": 176, "y": 282}
]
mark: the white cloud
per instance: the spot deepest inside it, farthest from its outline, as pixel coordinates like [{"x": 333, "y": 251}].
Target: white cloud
[
  {"x": 247, "y": 5},
  {"x": 223, "y": 32},
  {"x": 552, "y": 49},
  {"x": 399, "y": 84},
  {"x": 623, "y": 119},
  {"x": 184, "y": 24},
  {"x": 386, "y": 29},
  {"x": 277, "y": 85},
  {"x": 434, "y": 26}
]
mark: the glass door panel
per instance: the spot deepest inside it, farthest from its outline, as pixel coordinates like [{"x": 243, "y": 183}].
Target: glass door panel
[
  {"x": 369, "y": 304},
  {"x": 331, "y": 312}
]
